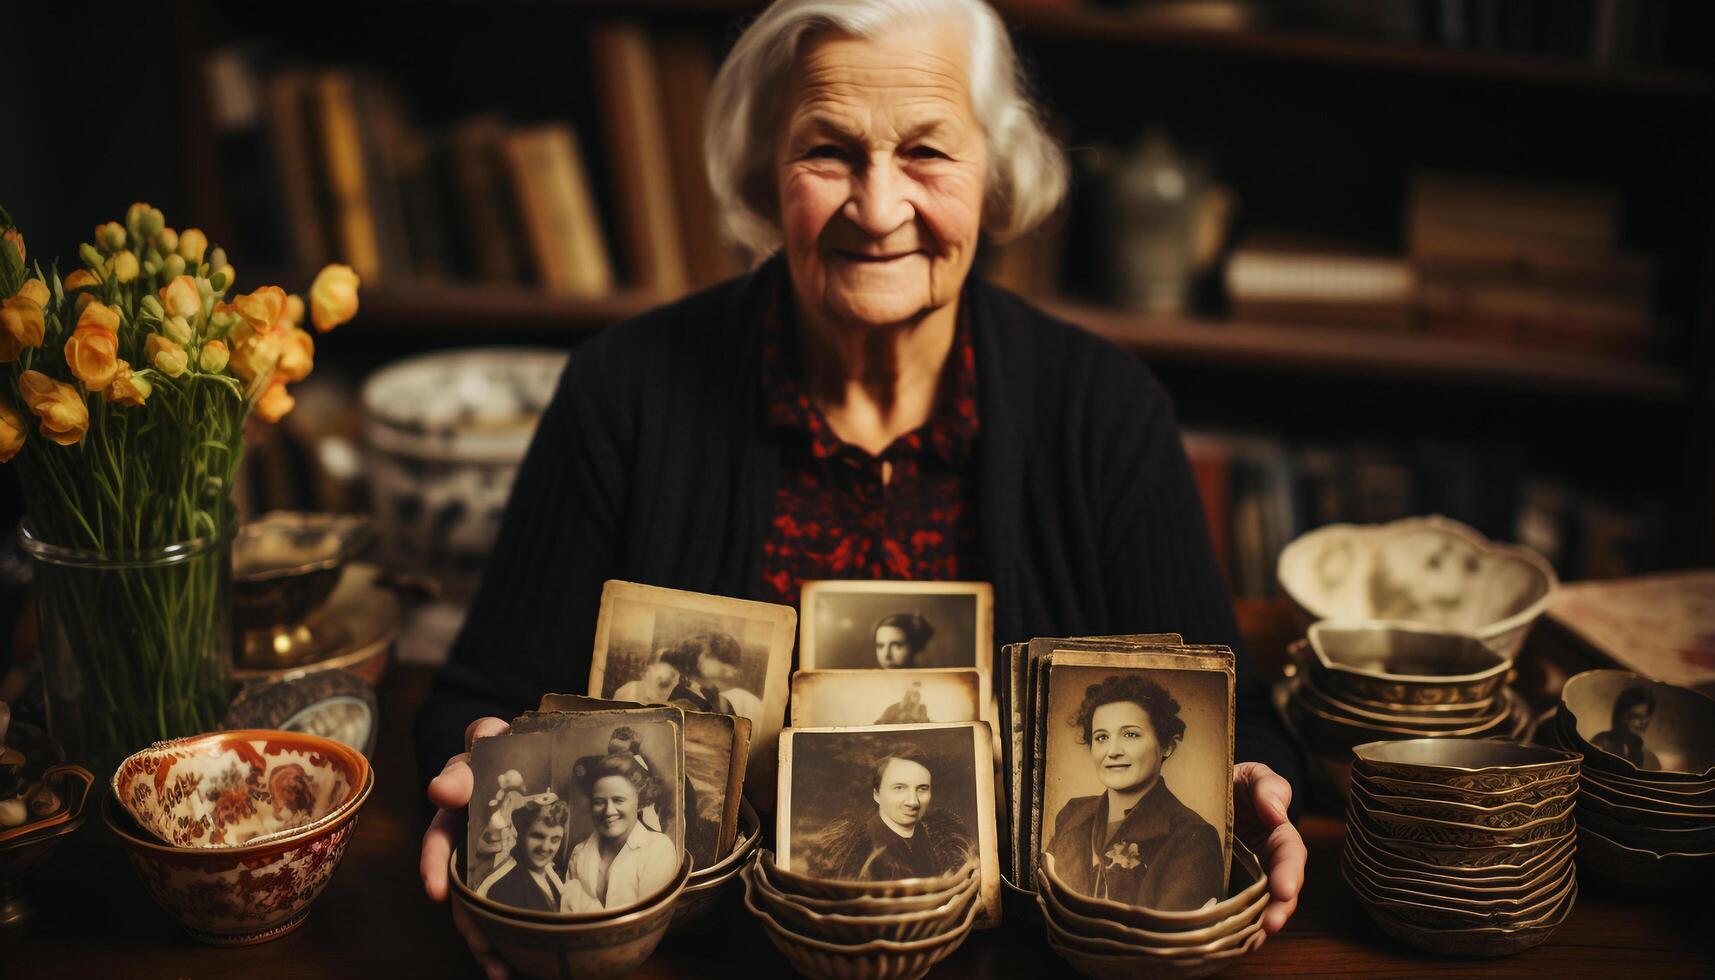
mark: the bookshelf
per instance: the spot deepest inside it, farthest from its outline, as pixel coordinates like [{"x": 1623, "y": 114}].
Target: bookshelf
[{"x": 1314, "y": 125}]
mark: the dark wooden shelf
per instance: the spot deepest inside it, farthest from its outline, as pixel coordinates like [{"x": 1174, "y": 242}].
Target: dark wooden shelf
[{"x": 470, "y": 312}]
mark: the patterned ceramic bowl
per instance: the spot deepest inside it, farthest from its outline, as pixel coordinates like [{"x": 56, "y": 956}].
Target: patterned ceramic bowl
[
  {"x": 1245, "y": 882},
  {"x": 1405, "y": 664},
  {"x": 1427, "y": 570},
  {"x": 852, "y": 928},
  {"x": 1480, "y": 941},
  {"x": 236, "y": 896},
  {"x": 795, "y": 884},
  {"x": 1130, "y": 966},
  {"x": 1080, "y": 930},
  {"x": 1504, "y": 816},
  {"x": 236, "y": 789},
  {"x": 1477, "y": 765},
  {"x": 710, "y": 888},
  {"x": 589, "y": 947}
]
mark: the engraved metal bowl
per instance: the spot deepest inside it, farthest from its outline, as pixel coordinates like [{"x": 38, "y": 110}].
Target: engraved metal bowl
[{"x": 1405, "y": 664}]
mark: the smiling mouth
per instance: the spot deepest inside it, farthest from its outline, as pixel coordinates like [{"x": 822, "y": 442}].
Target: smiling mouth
[{"x": 872, "y": 259}]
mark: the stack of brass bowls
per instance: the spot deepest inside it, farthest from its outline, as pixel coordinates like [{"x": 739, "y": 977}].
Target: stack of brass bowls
[
  {"x": 1463, "y": 845},
  {"x": 1650, "y": 830},
  {"x": 1358, "y": 682},
  {"x": 709, "y": 887},
  {"x": 861, "y": 930},
  {"x": 1105, "y": 939}
]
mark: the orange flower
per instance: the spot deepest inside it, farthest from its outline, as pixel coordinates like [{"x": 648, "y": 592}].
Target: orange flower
[
  {"x": 99, "y": 315},
  {"x": 297, "y": 355},
  {"x": 92, "y": 353},
  {"x": 295, "y": 310},
  {"x": 11, "y": 431},
  {"x": 253, "y": 354},
  {"x": 274, "y": 403},
  {"x": 36, "y": 290},
  {"x": 180, "y": 297},
  {"x": 16, "y": 237},
  {"x": 168, "y": 358},
  {"x": 65, "y": 418},
  {"x": 127, "y": 388},
  {"x": 21, "y": 326},
  {"x": 81, "y": 279},
  {"x": 333, "y": 297},
  {"x": 214, "y": 356},
  {"x": 263, "y": 308}
]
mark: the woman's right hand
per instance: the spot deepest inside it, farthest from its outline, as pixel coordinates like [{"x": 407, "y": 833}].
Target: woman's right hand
[{"x": 450, "y": 792}]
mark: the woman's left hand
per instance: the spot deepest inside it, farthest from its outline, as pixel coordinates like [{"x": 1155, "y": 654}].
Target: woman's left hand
[{"x": 1260, "y": 800}]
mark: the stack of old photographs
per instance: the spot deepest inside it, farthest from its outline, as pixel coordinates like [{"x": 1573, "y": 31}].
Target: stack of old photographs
[
  {"x": 886, "y": 848},
  {"x": 576, "y": 852},
  {"x": 1119, "y": 757}
]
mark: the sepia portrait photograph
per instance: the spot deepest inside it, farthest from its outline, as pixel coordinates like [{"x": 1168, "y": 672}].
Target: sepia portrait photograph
[
  {"x": 850, "y": 625},
  {"x": 845, "y": 698},
  {"x": 700, "y": 652},
  {"x": 579, "y": 812},
  {"x": 885, "y": 803},
  {"x": 1137, "y": 776}
]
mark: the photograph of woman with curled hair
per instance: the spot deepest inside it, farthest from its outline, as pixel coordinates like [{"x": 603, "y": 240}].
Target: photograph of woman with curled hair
[
  {"x": 628, "y": 856},
  {"x": 527, "y": 879},
  {"x": 1134, "y": 841},
  {"x": 896, "y": 625},
  {"x": 900, "y": 639}
]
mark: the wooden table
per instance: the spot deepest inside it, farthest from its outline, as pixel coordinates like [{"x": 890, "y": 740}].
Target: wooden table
[{"x": 373, "y": 921}]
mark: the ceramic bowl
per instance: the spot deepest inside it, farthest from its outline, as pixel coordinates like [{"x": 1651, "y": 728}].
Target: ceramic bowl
[
  {"x": 1405, "y": 664},
  {"x": 1450, "y": 833},
  {"x": 1479, "y": 941},
  {"x": 796, "y": 883},
  {"x": 1477, "y": 765},
  {"x": 1640, "y": 873},
  {"x": 1599, "y": 785},
  {"x": 1433, "y": 915},
  {"x": 714, "y": 886},
  {"x": 857, "y": 929},
  {"x": 1512, "y": 857},
  {"x": 1633, "y": 832},
  {"x": 1528, "y": 793},
  {"x": 1681, "y": 732},
  {"x": 233, "y": 789},
  {"x": 1130, "y": 966},
  {"x": 1505, "y": 816},
  {"x": 878, "y": 960},
  {"x": 1233, "y": 930},
  {"x": 1427, "y": 570},
  {"x": 1303, "y": 663},
  {"x": 286, "y": 564},
  {"x": 1332, "y": 732},
  {"x": 1672, "y": 794},
  {"x": 1396, "y": 863},
  {"x": 1245, "y": 881},
  {"x": 334, "y": 704},
  {"x": 236, "y": 896},
  {"x": 1437, "y": 724},
  {"x": 1063, "y": 936},
  {"x": 1480, "y": 901},
  {"x": 598, "y": 946}
]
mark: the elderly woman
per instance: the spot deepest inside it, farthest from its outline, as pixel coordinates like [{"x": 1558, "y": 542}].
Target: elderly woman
[{"x": 858, "y": 405}]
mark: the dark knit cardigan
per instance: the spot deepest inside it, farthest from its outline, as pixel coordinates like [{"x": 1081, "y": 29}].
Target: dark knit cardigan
[{"x": 653, "y": 464}]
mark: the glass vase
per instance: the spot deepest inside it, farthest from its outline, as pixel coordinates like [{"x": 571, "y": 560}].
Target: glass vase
[{"x": 135, "y": 646}]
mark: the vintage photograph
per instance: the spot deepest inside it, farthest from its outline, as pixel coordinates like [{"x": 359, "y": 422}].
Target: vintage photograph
[
  {"x": 708, "y": 653},
  {"x": 884, "y": 803},
  {"x": 578, "y": 812},
  {"x": 849, "y": 625},
  {"x": 1137, "y": 775},
  {"x": 847, "y": 698},
  {"x": 716, "y": 749}
]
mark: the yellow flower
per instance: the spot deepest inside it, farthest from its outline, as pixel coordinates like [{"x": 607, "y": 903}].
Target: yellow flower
[
  {"x": 169, "y": 358},
  {"x": 295, "y": 310},
  {"x": 333, "y": 297},
  {"x": 110, "y": 236},
  {"x": 81, "y": 279},
  {"x": 36, "y": 290},
  {"x": 16, "y": 237},
  {"x": 253, "y": 354},
  {"x": 181, "y": 298},
  {"x": 64, "y": 416},
  {"x": 125, "y": 266},
  {"x": 274, "y": 403},
  {"x": 167, "y": 242},
  {"x": 99, "y": 315},
  {"x": 11, "y": 431},
  {"x": 92, "y": 353},
  {"x": 263, "y": 308},
  {"x": 214, "y": 356},
  {"x": 192, "y": 243},
  {"x": 128, "y": 389},
  {"x": 297, "y": 355},
  {"x": 177, "y": 329},
  {"x": 21, "y": 326}
]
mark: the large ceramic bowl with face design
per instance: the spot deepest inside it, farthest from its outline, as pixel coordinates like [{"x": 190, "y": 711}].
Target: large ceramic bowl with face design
[
  {"x": 1426, "y": 570},
  {"x": 239, "y": 788},
  {"x": 1637, "y": 727}
]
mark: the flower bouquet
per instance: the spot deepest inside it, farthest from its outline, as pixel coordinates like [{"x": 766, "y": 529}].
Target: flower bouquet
[{"x": 140, "y": 369}]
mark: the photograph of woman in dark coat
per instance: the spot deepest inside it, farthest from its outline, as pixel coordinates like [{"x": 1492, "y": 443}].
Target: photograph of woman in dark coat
[
  {"x": 900, "y": 837},
  {"x": 1135, "y": 843},
  {"x": 528, "y": 880}
]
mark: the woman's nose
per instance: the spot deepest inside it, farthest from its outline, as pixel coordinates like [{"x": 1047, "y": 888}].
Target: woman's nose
[{"x": 879, "y": 203}]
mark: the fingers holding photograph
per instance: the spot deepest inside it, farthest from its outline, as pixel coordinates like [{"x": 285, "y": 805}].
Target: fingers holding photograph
[
  {"x": 517, "y": 825},
  {"x": 887, "y": 803},
  {"x": 896, "y": 625},
  {"x": 848, "y": 698},
  {"x": 1137, "y": 778}
]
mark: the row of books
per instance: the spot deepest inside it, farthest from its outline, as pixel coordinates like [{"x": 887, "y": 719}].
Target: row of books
[
  {"x": 321, "y": 162},
  {"x": 1260, "y": 492}
]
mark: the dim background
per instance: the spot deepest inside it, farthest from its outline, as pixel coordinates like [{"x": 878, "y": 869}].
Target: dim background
[{"x": 1465, "y": 265}]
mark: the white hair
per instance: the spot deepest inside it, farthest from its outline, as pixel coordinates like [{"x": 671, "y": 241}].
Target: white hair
[{"x": 1026, "y": 177}]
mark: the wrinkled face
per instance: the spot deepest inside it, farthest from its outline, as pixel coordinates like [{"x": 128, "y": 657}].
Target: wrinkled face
[
  {"x": 891, "y": 647},
  {"x": 613, "y": 806},
  {"x": 1124, "y": 747},
  {"x": 1637, "y": 719},
  {"x": 716, "y": 675},
  {"x": 542, "y": 843},
  {"x": 903, "y": 795},
  {"x": 880, "y": 175}
]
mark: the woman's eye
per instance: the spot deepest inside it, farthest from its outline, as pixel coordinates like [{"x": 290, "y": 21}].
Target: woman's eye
[
  {"x": 1131, "y": 735},
  {"x": 827, "y": 151},
  {"x": 926, "y": 153}
]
